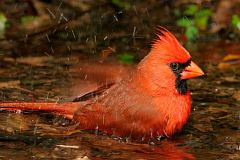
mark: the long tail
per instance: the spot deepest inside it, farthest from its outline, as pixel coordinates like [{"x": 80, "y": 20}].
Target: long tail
[{"x": 65, "y": 109}]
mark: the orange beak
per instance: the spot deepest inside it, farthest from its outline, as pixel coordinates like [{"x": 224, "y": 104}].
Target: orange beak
[{"x": 191, "y": 71}]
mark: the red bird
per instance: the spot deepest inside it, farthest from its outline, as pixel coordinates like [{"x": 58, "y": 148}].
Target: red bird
[{"x": 153, "y": 101}]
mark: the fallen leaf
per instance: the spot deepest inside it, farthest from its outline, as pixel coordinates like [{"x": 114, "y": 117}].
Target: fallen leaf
[
  {"x": 107, "y": 52},
  {"x": 34, "y": 61},
  {"x": 236, "y": 95},
  {"x": 230, "y": 79},
  {"x": 231, "y": 61},
  {"x": 203, "y": 127},
  {"x": 230, "y": 57},
  {"x": 13, "y": 84},
  {"x": 10, "y": 84},
  {"x": 37, "y": 22},
  {"x": 80, "y": 5}
]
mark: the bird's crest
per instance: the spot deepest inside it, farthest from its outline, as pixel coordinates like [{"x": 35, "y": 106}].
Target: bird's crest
[{"x": 167, "y": 44}]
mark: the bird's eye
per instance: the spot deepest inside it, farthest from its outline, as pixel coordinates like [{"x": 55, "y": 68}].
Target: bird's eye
[{"x": 174, "y": 66}]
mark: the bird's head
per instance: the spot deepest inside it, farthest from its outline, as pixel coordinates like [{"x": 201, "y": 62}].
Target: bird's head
[{"x": 169, "y": 64}]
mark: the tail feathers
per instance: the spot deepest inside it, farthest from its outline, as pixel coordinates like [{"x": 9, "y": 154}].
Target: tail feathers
[{"x": 65, "y": 109}]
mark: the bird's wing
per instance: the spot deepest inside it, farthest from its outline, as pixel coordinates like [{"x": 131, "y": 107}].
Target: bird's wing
[{"x": 98, "y": 91}]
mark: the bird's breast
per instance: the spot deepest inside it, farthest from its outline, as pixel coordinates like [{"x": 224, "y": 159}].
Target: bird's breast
[{"x": 173, "y": 111}]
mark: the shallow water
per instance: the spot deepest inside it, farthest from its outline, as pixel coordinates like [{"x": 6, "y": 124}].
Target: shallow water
[{"x": 212, "y": 131}]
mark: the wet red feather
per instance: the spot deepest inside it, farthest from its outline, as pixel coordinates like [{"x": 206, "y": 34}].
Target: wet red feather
[{"x": 145, "y": 104}]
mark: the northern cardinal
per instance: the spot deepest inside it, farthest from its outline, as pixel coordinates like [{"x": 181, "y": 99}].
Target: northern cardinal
[{"x": 152, "y": 101}]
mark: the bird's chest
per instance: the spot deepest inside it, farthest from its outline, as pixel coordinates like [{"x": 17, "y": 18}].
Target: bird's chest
[{"x": 173, "y": 113}]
